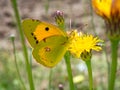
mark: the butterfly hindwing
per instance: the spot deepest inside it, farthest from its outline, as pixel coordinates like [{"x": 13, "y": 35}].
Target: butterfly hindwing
[{"x": 51, "y": 51}]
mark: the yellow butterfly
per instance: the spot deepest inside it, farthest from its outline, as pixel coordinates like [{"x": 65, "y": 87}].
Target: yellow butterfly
[{"x": 49, "y": 42}]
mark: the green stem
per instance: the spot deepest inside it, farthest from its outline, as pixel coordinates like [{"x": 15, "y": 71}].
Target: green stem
[
  {"x": 28, "y": 68},
  {"x": 47, "y": 5},
  {"x": 88, "y": 63},
  {"x": 107, "y": 61},
  {"x": 69, "y": 71},
  {"x": 50, "y": 79},
  {"x": 113, "y": 67},
  {"x": 16, "y": 65},
  {"x": 92, "y": 18}
]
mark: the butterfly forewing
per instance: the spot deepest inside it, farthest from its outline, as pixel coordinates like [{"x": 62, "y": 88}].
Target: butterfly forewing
[
  {"x": 35, "y": 31},
  {"x": 29, "y": 26}
]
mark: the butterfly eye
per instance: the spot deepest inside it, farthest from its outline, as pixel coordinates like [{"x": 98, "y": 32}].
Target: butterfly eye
[{"x": 47, "y": 28}]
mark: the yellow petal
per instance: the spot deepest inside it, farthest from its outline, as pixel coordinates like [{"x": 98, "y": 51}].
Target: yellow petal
[{"x": 102, "y": 7}]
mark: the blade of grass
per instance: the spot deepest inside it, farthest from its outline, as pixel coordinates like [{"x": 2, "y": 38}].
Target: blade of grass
[
  {"x": 16, "y": 65},
  {"x": 47, "y": 5},
  {"x": 92, "y": 17},
  {"x": 28, "y": 68},
  {"x": 50, "y": 79}
]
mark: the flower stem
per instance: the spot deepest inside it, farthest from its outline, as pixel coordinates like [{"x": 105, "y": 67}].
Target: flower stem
[
  {"x": 16, "y": 65},
  {"x": 88, "y": 63},
  {"x": 28, "y": 68},
  {"x": 113, "y": 67},
  {"x": 50, "y": 79},
  {"x": 70, "y": 77}
]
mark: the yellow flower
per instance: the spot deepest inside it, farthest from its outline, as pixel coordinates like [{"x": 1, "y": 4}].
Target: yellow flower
[
  {"x": 110, "y": 11},
  {"x": 107, "y": 8},
  {"x": 102, "y": 7},
  {"x": 83, "y": 42}
]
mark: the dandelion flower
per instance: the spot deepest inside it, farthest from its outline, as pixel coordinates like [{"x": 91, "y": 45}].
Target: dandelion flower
[{"x": 82, "y": 42}]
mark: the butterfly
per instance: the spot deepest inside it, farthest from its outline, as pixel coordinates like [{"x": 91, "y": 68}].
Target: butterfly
[{"x": 49, "y": 42}]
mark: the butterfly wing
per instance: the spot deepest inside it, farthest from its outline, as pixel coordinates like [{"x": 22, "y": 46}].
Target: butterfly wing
[
  {"x": 50, "y": 51},
  {"x": 35, "y": 31}
]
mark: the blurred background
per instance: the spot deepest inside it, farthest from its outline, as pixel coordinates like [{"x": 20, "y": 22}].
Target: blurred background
[{"x": 82, "y": 18}]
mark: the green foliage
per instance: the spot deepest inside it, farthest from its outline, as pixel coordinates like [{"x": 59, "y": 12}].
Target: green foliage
[{"x": 8, "y": 76}]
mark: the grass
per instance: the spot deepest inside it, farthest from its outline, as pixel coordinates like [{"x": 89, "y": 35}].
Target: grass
[
  {"x": 59, "y": 76},
  {"x": 8, "y": 75}
]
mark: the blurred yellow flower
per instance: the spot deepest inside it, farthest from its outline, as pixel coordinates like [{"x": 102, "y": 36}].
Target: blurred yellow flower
[
  {"x": 83, "y": 42},
  {"x": 107, "y": 8},
  {"x": 110, "y": 11},
  {"x": 102, "y": 7},
  {"x": 115, "y": 8}
]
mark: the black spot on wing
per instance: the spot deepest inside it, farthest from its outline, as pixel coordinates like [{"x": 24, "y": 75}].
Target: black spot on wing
[
  {"x": 46, "y": 28},
  {"x": 32, "y": 34},
  {"x": 37, "y": 41},
  {"x": 35, "y": 38},
  {"x": 34, "y": 20}
]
